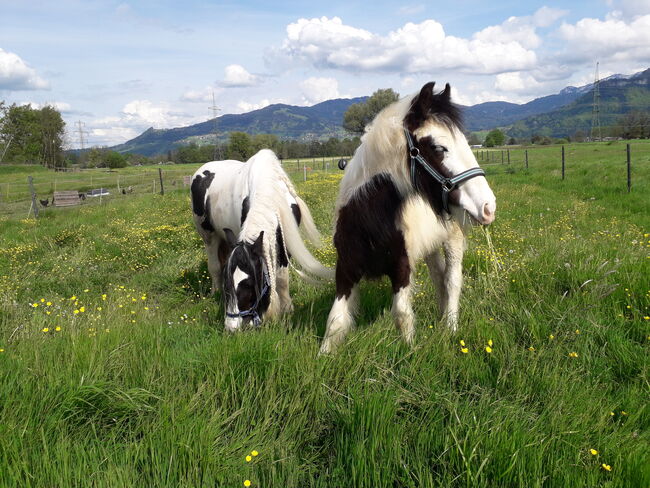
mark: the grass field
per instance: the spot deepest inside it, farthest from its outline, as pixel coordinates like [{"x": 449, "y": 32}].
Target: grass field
[{"x": 115, "y": 371}]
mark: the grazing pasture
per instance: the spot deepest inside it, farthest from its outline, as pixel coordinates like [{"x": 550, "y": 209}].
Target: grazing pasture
[{"x": 115, "y": 370}]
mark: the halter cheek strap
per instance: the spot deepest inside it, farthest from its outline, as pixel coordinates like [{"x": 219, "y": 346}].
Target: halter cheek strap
[
  {"x": 448, "y": 184},
  {"x": 252, "y": 312}
]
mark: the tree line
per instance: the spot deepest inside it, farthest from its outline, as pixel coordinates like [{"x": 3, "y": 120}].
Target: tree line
[{"x": 31, "y": 135}]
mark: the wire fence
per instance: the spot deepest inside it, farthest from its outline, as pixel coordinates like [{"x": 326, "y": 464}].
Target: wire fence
[
  {"x": 95, "y": 187},
  {"x": 101, "y": 187}
]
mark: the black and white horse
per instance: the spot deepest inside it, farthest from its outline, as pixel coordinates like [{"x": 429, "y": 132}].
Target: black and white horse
[
  {"x": 410, "y": 192},
  {"x": 248, "y": 216}
]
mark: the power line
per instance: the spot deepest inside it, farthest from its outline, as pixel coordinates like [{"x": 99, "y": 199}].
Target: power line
[
  {"x": 595, "y": 112},
  {"x": 215, "y": 110},
  {"x": 81, "y": 131}
]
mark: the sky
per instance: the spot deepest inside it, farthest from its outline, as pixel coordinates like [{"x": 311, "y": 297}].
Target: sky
[{"x": 119, "y": 67}]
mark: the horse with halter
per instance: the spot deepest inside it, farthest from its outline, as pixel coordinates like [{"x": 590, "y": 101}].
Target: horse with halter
[
  {"x": 248, "y": 216},
  {"x": 411, "y": 191}
]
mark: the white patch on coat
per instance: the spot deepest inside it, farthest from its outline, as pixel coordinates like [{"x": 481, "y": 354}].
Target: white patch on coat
[{"x": 237, "y": 277}]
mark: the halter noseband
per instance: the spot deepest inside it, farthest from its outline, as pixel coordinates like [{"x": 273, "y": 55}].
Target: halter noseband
[
  {"x": 252, "y": 312},
  {"x": 448, "y": 184}
]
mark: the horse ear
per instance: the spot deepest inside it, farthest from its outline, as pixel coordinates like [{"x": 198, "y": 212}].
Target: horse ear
[
  {"x": 420, "y": 108},
  {"x": 258, "y": 247},
  {"x": 231, "y": 239},
  {"x": 447, "y": 93},
  {"x": 425, "y": 97}
]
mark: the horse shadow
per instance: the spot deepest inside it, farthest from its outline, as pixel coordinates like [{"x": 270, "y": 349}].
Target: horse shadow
[{"x": 375, "y": 297}]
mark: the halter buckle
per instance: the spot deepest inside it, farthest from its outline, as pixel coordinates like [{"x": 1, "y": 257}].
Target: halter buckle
[{"x": 414, "y": 152}]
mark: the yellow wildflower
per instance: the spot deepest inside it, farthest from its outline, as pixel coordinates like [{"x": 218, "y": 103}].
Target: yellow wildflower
[
  {"x": 531, "y": 349},
  {"x": 488, "y": 349},
  {"x": 462, "y": 343},
  {"x": 464, "y": 350},
  {"x": 58, "y": 328},
  {"x": 606, "y": 467},
  {"x": 46, "y": 329},
  {"x": 573, "y": 354},
  {"x": 76, "y": 312},
  {"x": 82, "y": 309},
  {"x": 577, "y": 331},
  {"x": 48, "y": 303},
  {"x": 247, "y": 483},
  {"x": 254, "y": 453},
  {"x": 42, "y": 300},
  {"x": 593, "y": 452},
  {"x": 551, "y": 337},
  {"x": 249, "y": 459}
]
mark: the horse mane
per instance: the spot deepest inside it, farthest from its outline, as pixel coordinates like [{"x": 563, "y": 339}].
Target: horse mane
[{"x": 383, "y": 145}]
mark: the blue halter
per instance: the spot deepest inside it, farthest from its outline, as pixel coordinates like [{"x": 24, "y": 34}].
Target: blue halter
[
  {"x": 448, "y": 184},
  {"x": 252, "y": 312}
]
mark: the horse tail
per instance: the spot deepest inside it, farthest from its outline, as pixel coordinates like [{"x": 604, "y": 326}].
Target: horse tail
[
  {"x": 307, "y": 223},
  {"x": 296, "y": 247}
]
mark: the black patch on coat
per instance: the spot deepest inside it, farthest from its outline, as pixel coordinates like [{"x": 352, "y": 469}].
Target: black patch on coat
[
  {"x": 296, "y": 213},
  {"x": 245, "y": 207},
  {"x": 283, "y": 258},
  {"x": 206, "y": 223},
  {"x": 367, "y": 240},
  {"x": 199, "y": 187}
]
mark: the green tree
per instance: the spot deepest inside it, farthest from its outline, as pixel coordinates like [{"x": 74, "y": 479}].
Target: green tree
[
  {"x": 31, "y": 135},
  {"x": 265, "y": 141},
  {"x": 358, "y": 115},
  {"x": 113, "y": 159},
  {"x": 495, "y": 138},
  {"x": 239, "y": 146}
]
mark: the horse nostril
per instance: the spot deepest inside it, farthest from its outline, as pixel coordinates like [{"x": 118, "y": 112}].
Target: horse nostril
[{"x": 486, "y": 210}]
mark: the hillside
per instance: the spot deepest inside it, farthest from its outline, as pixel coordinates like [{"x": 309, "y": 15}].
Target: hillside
[
  {"x": 618, "y": 96},
  {"x": 557, "y": 115},
  {"x": 286, "y": 121}
]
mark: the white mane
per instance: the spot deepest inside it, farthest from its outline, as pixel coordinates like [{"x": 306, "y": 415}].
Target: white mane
[{"x": 382, "y": 150}]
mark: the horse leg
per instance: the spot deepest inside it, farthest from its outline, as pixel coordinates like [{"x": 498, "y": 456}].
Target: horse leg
[
  {"x": 341, "y": 317},
  {"x": 437, "y": 268},
  {"x": 282, "y": 285},
  {"x": 213, "y": 248},
  {"x": 453, "y": 277},
  {"x": 402, "y": 309}
]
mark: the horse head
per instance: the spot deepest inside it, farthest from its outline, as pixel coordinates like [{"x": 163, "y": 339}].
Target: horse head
[
  {"x": 441, "y": 163},
  {"x": 246, "y": 283}
]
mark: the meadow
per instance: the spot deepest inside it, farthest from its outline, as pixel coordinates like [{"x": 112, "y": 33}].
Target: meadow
[{"x": 115, "y": 370}]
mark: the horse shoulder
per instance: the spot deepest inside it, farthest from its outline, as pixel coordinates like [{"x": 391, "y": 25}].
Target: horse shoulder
[{"x": 423, "y": 229}]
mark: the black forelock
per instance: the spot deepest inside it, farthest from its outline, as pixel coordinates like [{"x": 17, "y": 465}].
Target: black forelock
[{"x": 438, "y": 106}]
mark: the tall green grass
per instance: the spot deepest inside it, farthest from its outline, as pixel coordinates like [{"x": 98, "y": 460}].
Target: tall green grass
[{"x": 141, "y": 387}]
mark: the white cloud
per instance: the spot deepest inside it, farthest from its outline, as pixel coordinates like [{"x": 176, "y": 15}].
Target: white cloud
[
  {"x": 413, "y": 48},
  {"x": 15, "y": 75},
  {"x": 237, "y": 76},
  {"x": 203, "y": 95},
  {"x": 629, "y": 8},
  {"x": 521, "y": 30},
  {"x": 316, "y": 90},
  {"x": 516, "y": 82},
  {"x": 62, "y": 107},
  {"x": 614, "y": 39},
  {"x": 244, "y": 106}
]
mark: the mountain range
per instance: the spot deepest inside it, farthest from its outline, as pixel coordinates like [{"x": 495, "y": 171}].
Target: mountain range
[{"x": 558, "y": 115}]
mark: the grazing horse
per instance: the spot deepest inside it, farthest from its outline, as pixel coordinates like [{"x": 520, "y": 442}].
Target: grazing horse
[
  {"x": 409, "y": 193},
  {"x": 248, "y": 216}
]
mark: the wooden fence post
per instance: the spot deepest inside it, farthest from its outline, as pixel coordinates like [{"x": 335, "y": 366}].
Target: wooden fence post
[
  {"x": 526, "y": 158},
  {"x": 562, "y": 162},
  {"x": 508, "y": 156},
  {"x": 502, "y": 156},
  {"x": 629, "y": 170},
  {"x": 162, "y": 188},
  {"x": 31, "y": 189},
  {"x": 304, "y": 170}
]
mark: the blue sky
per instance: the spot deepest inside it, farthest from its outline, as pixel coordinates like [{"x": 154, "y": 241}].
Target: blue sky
[{"x": 121, "y": 67}]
